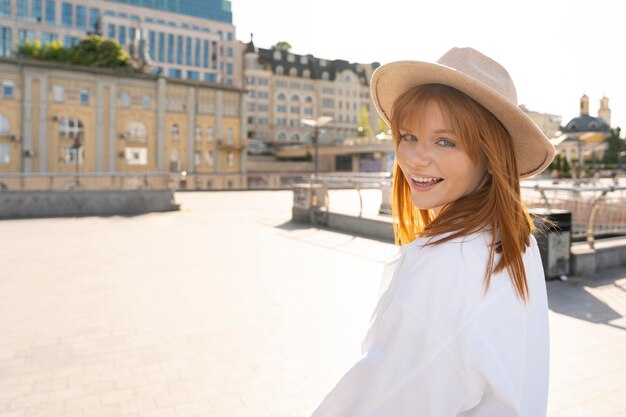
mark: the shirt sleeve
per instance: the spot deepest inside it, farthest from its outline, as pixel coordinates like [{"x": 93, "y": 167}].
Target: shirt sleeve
[{"x": 403, "y": 372}]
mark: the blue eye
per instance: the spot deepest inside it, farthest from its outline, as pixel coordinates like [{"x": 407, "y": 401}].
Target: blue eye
[
  {"x": 408, "y": 137},
  {"x": 447, "y": 143}
]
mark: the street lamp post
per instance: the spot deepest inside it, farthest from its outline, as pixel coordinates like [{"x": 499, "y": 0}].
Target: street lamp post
[
  {"x": 316, "y": 124},
  {"x": 76, "y": 148}
]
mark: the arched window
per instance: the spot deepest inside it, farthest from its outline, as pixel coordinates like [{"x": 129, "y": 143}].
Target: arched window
[
  {"x": 308, "y": 99},
  {"x": 281, "y": 96},
  {"x": 293, "y": 72},
  {"x": 137, "y": 131},
  {"x": 325, "y": 75},
  {"x": 347, "y": 79},
  {"x": 5, "y": 126},
  {"x": 306, "y": 73},
  {"x": 280, "y": 70},
  {"x": 281, "y": 137},
  {"x": 295, "y": 98},
  {"x": 175, "y": 132},
  {"x": 209, "y": 134},
  {"x": 295, "y": 137}
]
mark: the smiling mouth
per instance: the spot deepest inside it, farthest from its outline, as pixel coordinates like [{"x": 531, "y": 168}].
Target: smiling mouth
[{"x": 424, "y": 182}]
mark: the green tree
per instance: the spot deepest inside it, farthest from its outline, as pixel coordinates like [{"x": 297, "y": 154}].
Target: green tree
[
  {"x": 381, "y": 126},
  {"x": 363, "y": 128},
  {"x": 281, "y": 46},
  {"x": 615, "y": 145}
]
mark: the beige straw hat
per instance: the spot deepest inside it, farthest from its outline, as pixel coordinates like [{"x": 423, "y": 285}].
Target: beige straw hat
[{"x": 482, "y": 79}]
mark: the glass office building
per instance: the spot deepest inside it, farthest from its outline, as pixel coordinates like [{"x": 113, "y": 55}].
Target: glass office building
[{"x": 207, "y": 9}]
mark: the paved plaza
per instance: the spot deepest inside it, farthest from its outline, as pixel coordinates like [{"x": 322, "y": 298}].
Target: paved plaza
[{"x": 228, "y": 309}]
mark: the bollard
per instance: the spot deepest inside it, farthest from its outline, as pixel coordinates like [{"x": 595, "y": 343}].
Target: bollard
[{"x": 554, "y": 240}]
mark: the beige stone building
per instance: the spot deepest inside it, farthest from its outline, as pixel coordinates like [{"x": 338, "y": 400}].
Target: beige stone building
[{"x": 61, "y": 119}]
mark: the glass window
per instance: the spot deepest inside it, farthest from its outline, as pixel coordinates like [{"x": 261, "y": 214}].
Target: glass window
[
  {"x": 5, "y": 8},
  {"x": 94, "y": 19},
  {"x": 22, "y": 9},
  {"x": 70, "y": 41},
  {"x": 136, "y": 131},
  {"x": 26, "y": 35},
  {"x": 151, "y": 42},
  {"x": 210, "y": 77},
  {"x": 175, "y": 73},
  {"x": 170, "y": 48},
  {"x": 58, "y": 93},
  {"x": 37, "y": 10},
  {"x": 125, "y": 98},
  {"x": 179, "y": 50},
  {"x": 121, "y": 34},
  {"x": 5, "y": 126},
  {"x": 229, "y": 51},
  {"x": 209, "y": 134},
  {"x": 229, "y": 68},
  {"x": 84, "y": 96},
  {"x": 147, "y": 101},
  {"x": 136, "y": 156},
  {"x": 175, "y": 132},
  {"x": 70, "y": 128},
  {"x": 8, "y": 89},
  {"x": 230, "y": 159},
  {"x": 161, "y": 47},
  {"x": 50, "y": 12},
  {"x": 197, "y": 158},
  {"x": 5, "y": 154},
  {"x": 193, "y": 75},
  {"x": 229, "y": 135},
  {"x": 111, "y": 31},
  {"x": 131, "y": 35},
  {"x": 205, "y": 55},
  {"x": 209, "y": 158},
  {"x": 48, "y": 37},
  {"x": 198, "y": 133},
  {"x": 81, "y": 17},
  {"x": 6, "y": 43},
  {"x": 66, "y": 14},
  {"x": 196, "y": 53},
  {"x": 229, "y": 36},
  {"x": 188, "y": 50}
]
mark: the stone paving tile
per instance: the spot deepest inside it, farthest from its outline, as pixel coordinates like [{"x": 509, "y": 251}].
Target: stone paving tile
[{"x": 227, "y": 309}]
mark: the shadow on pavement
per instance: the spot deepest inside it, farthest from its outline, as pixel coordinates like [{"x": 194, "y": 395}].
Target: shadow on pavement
[{"x": 572, "y": 298}]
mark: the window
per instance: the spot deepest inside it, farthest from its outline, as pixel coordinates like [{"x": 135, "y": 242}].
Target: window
[
  {"x": 111, "y": 31},
  {"x": 193, "y": 75},
  {"x": 151, "y": 44},
  {"x": 205, "y": 56},
  {"x": 22, "y": 9},
  {"x": 281, "y": 96},
  {"x": 179, "y": 50},
  {"x": 6, "y": 44},
  {"x": 306, "y": 73},
  {"x": 94, "y": 19},
  {"x": 5, "y": 126},
  {"x": 69, "y": 41},
  {"x": 47, "y": 38},
  {"x": 81, "y": 17},
  {"x": 230, "y": 159},
  {"x": 210, "y": 77},
  {"x": 8, "y": 89},
  {"x": 295, "y": 137},
  {"x": 5, "y": 154},
  {"x": 325, "y": 75},
  {"x": 294, "y": 109},
  {"x": 125, "y": 99},
  {"x": 209, "y": 158},
  {"x": 281, "y": 108},
  {"x": 50, "y": 12},
  {"x": 295, "y": 98},
  {"x": 281, "y": 137},
  {"x": 170, "y": 48},
  {"x": 66, "y": 14},
  {"x": 26, "y": 35},
  {"x": 121, "y": 35},
  {"x": 37, "y": 11},
  {"x": 136, "y": 156},
  {"x": 308, "y": 99},
  {"x": 196, "y": 53},
  {"x": 161, "y": 47},
  {"x": 136, "y": 131},
  {"x": 209, "y": 134},
  {"x": 70, "y": 155},
  {"x": 70, "y": 128},
  {"x": 293, "y": 72},
  {"x": 197, "y": 158},
  {"x": 147, "y": 101},
  {"x": 291, "y": 58},
  {"x": 84, "y": 96},
  {"x": 175, "y": 132},
  {"x": 131, "y": 35},
  {"x": 58, "y": 93},
  {"x": 188, "y": 50},
  {"x": 229, "y": 135},
  {"x": 280, "y": 71},
  {"x": 308, "y": 111},
  {"x": 175, "y": 73}
]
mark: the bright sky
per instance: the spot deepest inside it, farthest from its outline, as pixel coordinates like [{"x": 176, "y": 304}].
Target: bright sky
[{"x": 555, "y": 50}]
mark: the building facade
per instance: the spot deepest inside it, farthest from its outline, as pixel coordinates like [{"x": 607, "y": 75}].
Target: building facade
[
  {"x": 283, "y": 88},
  {"x": 186, "y": 44},
  {"x": 58, "y": 119}
]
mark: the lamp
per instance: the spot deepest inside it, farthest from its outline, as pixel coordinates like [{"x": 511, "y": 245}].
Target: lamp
[{"x": 316, "y": 124}]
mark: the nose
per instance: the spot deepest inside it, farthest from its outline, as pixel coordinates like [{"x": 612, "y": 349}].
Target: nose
[{"x": 419, "y": 155}]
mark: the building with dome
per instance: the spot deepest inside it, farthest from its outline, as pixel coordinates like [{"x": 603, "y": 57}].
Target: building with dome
[{"x": 582, "y": 138}]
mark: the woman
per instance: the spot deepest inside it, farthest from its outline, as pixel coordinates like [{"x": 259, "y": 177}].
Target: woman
[{"x": 462, "y": 328}]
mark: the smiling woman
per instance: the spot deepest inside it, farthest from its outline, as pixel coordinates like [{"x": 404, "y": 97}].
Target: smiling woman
[{"x": 462, "y": 328}]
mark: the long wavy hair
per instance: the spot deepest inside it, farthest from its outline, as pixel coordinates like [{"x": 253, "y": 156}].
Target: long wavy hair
[{"x": 496, "y": 206}]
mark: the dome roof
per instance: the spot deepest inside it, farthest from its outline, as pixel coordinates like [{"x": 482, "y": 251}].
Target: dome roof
[{"x": 586, "y": 124}]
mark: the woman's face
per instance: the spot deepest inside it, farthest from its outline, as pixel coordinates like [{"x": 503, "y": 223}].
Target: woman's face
[{"x": 435, "y": 163}]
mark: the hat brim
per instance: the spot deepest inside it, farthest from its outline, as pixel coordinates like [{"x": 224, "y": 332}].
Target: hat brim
[{"x": 533, "y": 150}]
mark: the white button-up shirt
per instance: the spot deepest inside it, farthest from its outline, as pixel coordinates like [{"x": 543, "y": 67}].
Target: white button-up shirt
[{"x": 438, "y": 346}]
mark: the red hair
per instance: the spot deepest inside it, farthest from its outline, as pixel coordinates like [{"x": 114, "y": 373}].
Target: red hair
[{"x": 495, "y": 206}]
